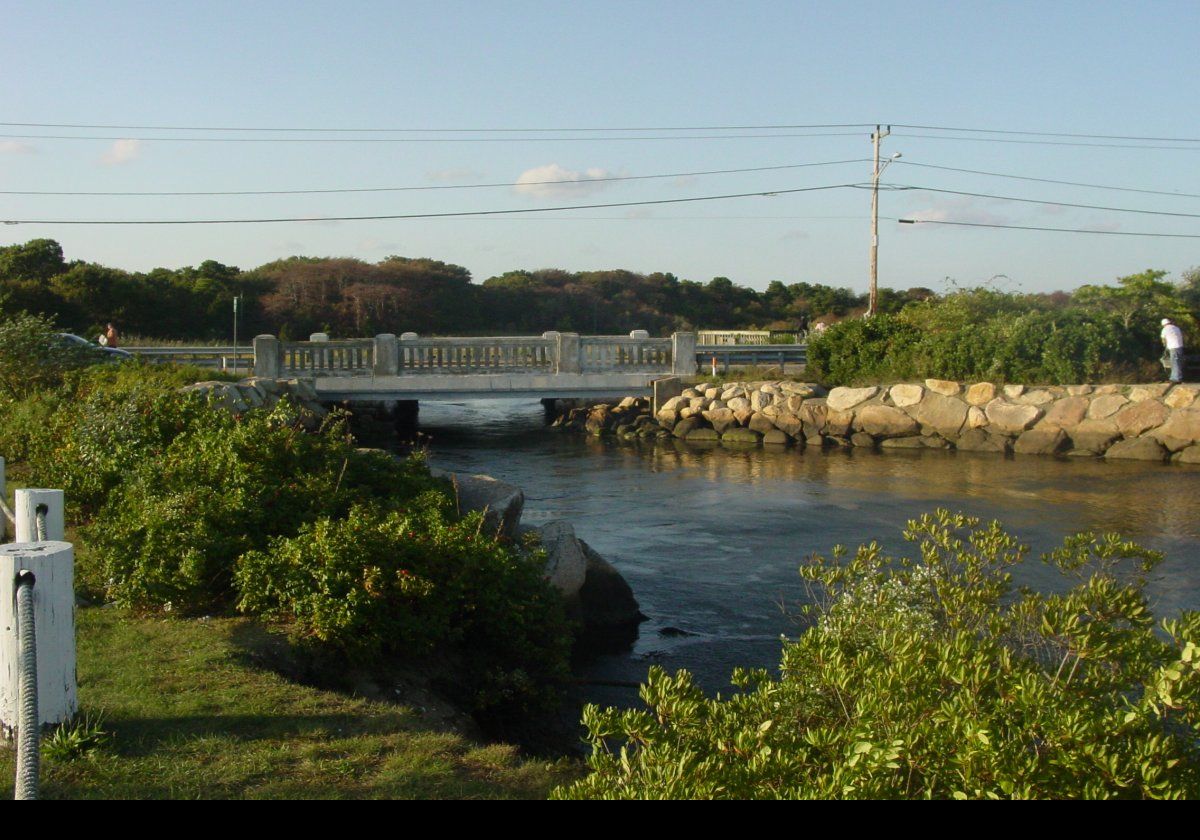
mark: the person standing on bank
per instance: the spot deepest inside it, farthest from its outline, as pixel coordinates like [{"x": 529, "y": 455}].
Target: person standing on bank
[{"x": 1172, "y": 339}]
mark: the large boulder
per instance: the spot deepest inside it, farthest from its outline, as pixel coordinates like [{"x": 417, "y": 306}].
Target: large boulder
[
  {"x": 721, "y": 419},
  {"x": 1095, "y": 435},
  {"x": 945, "y": 387},
  {"x": 1137, "y": 449},
  {"x": 981, "y": 393},
  {"x": 841, "y": 399},
  {"x": 566, "y": 564},
  {"x": 1180, "y": 397},
  {"x": 1065, "y": 413},
  {"x": 1042, "y": 442},
  {"x": 788, "y": 423},
  {"x": 944, "y": 415},
  {"x": 1007, "y": 418},
  {"x": 905, "y": 395},
  {"x": 1106, "y": 405},
  {"x": 606, "y": 600},
  {"x": 1141, "y": 417},
  {"x": 883, "y": 421},
  {"x": 1181, "y": 430},
  {"x": 501, "y": 503}
]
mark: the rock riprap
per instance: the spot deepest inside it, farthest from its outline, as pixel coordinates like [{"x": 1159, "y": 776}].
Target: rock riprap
[{"x": 1152, "y": 422}]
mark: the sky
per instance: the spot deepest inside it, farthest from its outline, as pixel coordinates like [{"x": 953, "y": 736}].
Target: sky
[{"x": 600, "y": 95}]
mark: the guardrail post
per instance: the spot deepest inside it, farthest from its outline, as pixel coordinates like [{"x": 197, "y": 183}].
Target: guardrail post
[
  {"x": 26, "y": 513},
  {"x": 53, "y": 567},
  {"x": 387, "y": 355},
  {"x": 683, "y": 354},
  {"x": 268, "y": 356},
  {"x": 566, "y": 353}
]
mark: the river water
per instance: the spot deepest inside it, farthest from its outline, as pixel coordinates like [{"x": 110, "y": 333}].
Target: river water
[{"x": 710, "y": 538}]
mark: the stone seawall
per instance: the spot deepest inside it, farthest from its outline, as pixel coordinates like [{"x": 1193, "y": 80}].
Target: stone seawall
[{"x": 1152, "y": 422}]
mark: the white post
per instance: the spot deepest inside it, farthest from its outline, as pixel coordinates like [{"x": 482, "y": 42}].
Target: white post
[
  {"x": 53, "y": 567},
  {"x": 26, "y": 509}
]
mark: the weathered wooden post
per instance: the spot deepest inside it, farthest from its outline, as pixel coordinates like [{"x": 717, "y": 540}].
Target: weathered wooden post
[
  {"x": 683, "y": 354},
  {"x": 387, "y": 355},
  {"x": 52, "y": 565},
  {"x": 51, "y": 504},
  {"x": 566, "y": 353},
  {"x": 268, "y": 356}
]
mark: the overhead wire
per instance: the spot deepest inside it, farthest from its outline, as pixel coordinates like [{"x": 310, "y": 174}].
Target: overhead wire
[
  {"x": 1045, "y": 180},
  {"x": 380, "y": 217},
  {"x": 907, "y": 187},
  {"x": 434, "y": 187},
  {"x": 539, "y": 139},
  {"x": 1048, "y": 229}
]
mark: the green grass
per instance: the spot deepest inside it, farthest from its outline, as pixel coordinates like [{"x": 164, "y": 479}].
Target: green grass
[{"x": 191, "y": 715}]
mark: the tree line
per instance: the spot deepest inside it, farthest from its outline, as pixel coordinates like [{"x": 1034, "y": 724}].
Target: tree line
[{"x": 350, "y": 297}]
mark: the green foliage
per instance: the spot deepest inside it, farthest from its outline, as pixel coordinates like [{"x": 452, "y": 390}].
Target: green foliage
[
  {"x": 185, "y": 508},
  {"x": 82, "y": 738},
  {"x": 33, "y": 357},
  {"x": 984, "y": 334},
  {"x": 930, "y": 677},
  {"x": 413, "y": 581}
]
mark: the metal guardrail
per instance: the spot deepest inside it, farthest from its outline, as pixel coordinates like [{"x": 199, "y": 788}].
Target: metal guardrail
[
  {"x": 725, "y": 356},
  {"x": 224, "y": 358}
]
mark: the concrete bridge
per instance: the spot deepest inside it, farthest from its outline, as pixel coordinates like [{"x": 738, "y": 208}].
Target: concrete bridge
[{"x": 553, "y": 365}]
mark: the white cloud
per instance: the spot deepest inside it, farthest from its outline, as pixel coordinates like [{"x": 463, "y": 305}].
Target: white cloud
[
  {"x": 122, "y": 151},
  {"x": 14, "y": 147},
  {"x": 554, "y": 181}
]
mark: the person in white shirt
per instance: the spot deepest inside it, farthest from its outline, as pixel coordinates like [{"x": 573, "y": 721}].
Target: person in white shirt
[{"x": 1172, "y": 339}]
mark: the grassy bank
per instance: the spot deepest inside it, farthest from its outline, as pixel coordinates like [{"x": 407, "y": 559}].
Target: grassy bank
[{"x": 191, "y": 714}]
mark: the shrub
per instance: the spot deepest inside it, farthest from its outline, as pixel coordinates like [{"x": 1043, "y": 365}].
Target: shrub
[
  {"x": 376, "y": 583},
  {"x": 32, "y": 356},
  {"x": 932, "y": 677}
]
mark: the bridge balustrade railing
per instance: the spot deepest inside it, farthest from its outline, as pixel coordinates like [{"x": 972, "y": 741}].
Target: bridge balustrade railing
[
  {"x": 619, "y": 354},
  {"x": 551, "y": 353},
  {"x": 521, "y": 354},
  {"x": 327, "y": 358}
]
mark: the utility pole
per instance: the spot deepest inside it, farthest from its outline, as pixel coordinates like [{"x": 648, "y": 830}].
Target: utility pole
[{"x": 873, "y": 295}]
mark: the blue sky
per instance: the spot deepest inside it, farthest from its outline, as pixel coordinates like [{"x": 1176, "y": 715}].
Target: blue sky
[{"x": 1086, "y": 68}]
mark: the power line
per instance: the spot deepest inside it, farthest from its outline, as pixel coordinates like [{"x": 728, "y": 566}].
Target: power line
[
  {"x": 1053, "y": 143},
  {"x": 1045, "y": 133},
  {"x": 608, "y": 179},
  {"x": 326, "y": 130},
  {"x": 93, "y": 137},
  {"x": 1049, "y": 229},
  {"x": 594, "y": 129},
  {"x": 763, "y": 194},
  {"x": 905, "y": 187},
  {"x": 1046, "y": 180}
]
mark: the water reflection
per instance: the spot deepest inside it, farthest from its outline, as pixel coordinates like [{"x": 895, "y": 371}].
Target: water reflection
[{"x": 710, "y": 537}]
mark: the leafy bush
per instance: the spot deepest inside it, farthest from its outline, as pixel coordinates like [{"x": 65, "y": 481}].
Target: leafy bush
[
  {"x": 32, "y": 356},
  {"x": 379, "y": 582},
  {"x": 932, "y": 677},
  {"x": 981, "y": 334}
]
